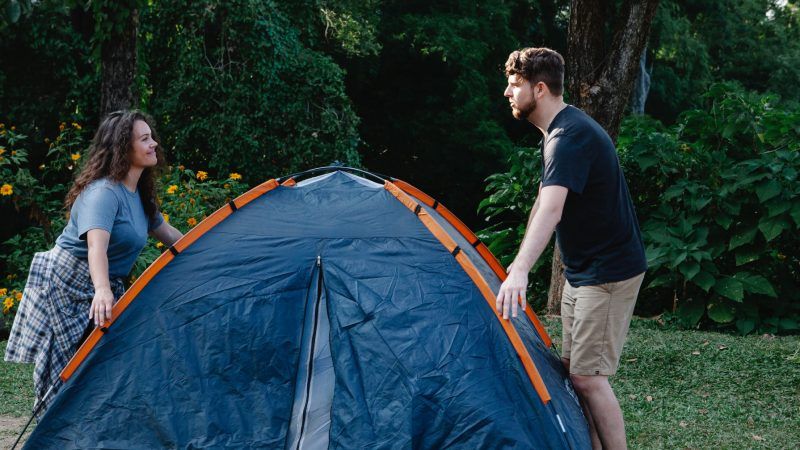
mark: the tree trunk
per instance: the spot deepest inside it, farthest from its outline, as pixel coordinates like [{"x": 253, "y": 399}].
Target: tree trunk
[
  {"x": 599, "y": 77},
  {"x": 118, "y": 60}
]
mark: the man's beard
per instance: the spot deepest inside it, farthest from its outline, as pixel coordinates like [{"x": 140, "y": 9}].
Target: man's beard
[{"x": 523, "y": 114}]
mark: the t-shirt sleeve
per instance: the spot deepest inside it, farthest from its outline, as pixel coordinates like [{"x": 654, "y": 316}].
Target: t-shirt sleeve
[
  {"x": 155, "y": 221},
  {"x": 98, "y": 209},
  {"x": 566, "y": 163}
]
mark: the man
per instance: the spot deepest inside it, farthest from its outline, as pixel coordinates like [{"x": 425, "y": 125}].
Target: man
[{"x": 584, "y": 197}]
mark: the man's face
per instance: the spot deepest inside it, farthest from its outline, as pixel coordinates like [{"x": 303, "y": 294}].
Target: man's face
[{"x": 519, "y": 93}]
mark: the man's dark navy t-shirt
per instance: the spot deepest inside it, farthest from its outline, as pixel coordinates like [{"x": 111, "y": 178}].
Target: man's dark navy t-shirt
[{"x": 598, "y": 234}]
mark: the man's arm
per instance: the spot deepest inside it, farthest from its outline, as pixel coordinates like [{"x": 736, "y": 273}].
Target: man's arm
[
  {"x": 534, "y": 208},
  {"x": 544, "y": 218}
]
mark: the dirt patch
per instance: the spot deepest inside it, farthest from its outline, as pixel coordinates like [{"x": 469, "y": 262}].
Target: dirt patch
[{"x": 10, "y": 427}]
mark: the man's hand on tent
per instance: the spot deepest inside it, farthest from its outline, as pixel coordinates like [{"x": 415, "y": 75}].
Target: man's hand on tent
[{"x": 512, "y": 293}]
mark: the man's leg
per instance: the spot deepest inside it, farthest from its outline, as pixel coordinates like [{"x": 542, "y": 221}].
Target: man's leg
[
  {"x": 599, "y": 325},
  {"x": 596, "y": 444},
  {"x": 601, "y": 405}
]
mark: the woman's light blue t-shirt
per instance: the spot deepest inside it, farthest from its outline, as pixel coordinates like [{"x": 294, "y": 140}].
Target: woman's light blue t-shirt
[{"x": 108, "y": 205}]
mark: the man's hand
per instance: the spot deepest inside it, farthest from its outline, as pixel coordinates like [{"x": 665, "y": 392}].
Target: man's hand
[{"x": 512, "y": 293}]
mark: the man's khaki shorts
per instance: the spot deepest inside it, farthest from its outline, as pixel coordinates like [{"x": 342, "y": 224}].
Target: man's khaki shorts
[{"x": 595, "y": 322}]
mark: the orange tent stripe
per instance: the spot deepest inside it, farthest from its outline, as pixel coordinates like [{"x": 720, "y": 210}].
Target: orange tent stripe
[
  {"x": 482, "y": 249},
  {"x": 137, "y": 286},
  {"x": 483, "y": 286}
]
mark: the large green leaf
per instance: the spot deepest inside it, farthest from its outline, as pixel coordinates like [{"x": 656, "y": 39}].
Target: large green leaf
[
  {"x": 721, "y": 312},
  {"x": 795, "y": 212},
  {"x": 666, "y": 279},
  {"x": 788, "y": 324},
  {"x": 756, "y": 284},
  {"x": 746, "y": 325},
  {"x": 724, "y": 220},
  {"x": 730, "y": 288},
  {"x": 768, "y": 189},
  {"x": 742, "y": 237},
  {"x": 704, "y": 279},
  {"x": 689, "y": 269},
  {"x": 690, "y": 312},
  {"x": 747, "y": 255},
  {"x": 772, "y": 228},
  {"x": 778, "y": 206}
]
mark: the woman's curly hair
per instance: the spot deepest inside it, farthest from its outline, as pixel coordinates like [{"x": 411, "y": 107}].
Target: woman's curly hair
[{"x": 109, "y": 157}]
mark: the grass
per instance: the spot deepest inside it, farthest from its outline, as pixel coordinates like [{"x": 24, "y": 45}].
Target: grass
[
  {"x": 683, "y": 389},
  {"x": 16, "y": 387},
  {"x": 678, "y": 389}
]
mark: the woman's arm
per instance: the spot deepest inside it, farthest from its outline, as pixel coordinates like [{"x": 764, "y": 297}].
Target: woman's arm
[
  {"x": 103, "y": 301},
  {"x": 167, "y": 234}
]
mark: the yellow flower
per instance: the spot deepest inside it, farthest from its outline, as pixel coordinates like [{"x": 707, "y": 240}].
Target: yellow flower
[
  {"x": 2, "y": 150},
  {"x": 226, "y": 186},
  {"x": 181, "y": 167},
  {"x": 8, "y": 302},
  {"x": 166, "y": 217},
  {"x": 41, "y": 166},
  {"x": 191, "y": 200},
  {"x": 18, "y": 295},
  {"x": 76, "y": 125},
  {"x": 61, "y": 126},
  {"x": 159, "y": 244},
  {"x": 3, "y": 291},
  {"x": 191, "y": 221},
  {"x": 235, "y": 176},
  {"x": 2, "y": 125},
  {"x": 75, "y": 156},
  {"x": 202, "y": 175},
  {"x": 172, "y": 189},
  {"x": 6, "y": 189},
  {"x": 46, "y": 140},
  {"x": 13, "y": 128},
  {"x": 13, "y": 153}
]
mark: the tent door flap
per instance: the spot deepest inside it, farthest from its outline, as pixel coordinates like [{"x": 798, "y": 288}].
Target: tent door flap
[{"x": 310, "y": 425}]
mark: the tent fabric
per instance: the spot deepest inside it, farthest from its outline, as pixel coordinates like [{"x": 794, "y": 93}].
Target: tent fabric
[{"x": 321, "y": 314}]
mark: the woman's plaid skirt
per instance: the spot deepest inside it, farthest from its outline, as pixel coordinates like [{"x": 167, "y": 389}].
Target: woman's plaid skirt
[{"x": 52, "y": 318}]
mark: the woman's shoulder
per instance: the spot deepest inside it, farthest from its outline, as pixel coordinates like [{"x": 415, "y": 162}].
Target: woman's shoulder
[{"x": 101, "y": 190}]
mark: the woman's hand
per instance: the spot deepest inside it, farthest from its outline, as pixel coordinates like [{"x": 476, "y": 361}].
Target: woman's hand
[{"x": 102, "y": 303}]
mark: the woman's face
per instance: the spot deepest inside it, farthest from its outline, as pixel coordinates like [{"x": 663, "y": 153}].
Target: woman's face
[{"x": 143, "y": 153}]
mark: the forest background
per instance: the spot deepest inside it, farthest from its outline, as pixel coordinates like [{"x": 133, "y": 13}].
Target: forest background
[{"x": 247, "y": 90}]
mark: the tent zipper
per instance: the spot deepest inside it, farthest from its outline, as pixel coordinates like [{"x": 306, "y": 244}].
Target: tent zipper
[{"x": 310, "y": 371}]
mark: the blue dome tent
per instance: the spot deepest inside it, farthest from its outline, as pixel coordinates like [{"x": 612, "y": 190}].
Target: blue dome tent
[{"x": 332, "y": 309}]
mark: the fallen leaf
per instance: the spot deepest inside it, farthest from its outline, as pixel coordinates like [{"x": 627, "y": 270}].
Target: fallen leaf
[
  {"x": 696, "y": 352},
  {"x": 649, "y": 398},
  {"x": 631, "y": 360},
  {"x": 683, "y": 424},
  {"x": 705, "y": 343},
  {"x": 722, "y": 347},
  {"x": 632, "y": 396},
  {"x": 757, "y": 437},
  {"x": 704, "y": 394},
  {"x": 750, "y": 421},
  {"x": 702, "y": 411}
]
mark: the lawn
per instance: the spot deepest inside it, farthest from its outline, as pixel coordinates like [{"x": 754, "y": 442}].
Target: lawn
[{"x": 678, "y": 389}]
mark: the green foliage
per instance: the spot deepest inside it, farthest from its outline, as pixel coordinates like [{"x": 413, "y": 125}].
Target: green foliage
[
  {"x": 719, "y": 202},
  {"x": 235, "y": 88},
  {"x": 38, "y": 195},
  {"x": 187, "y": 198},
  {"x": 694, "y": 44}
]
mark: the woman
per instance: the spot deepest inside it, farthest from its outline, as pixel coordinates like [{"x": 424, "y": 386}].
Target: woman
[{"x": 74, "y": 285}]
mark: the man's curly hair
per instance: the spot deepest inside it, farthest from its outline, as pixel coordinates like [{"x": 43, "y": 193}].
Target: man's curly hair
[{"x": 536, "y": 64}]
